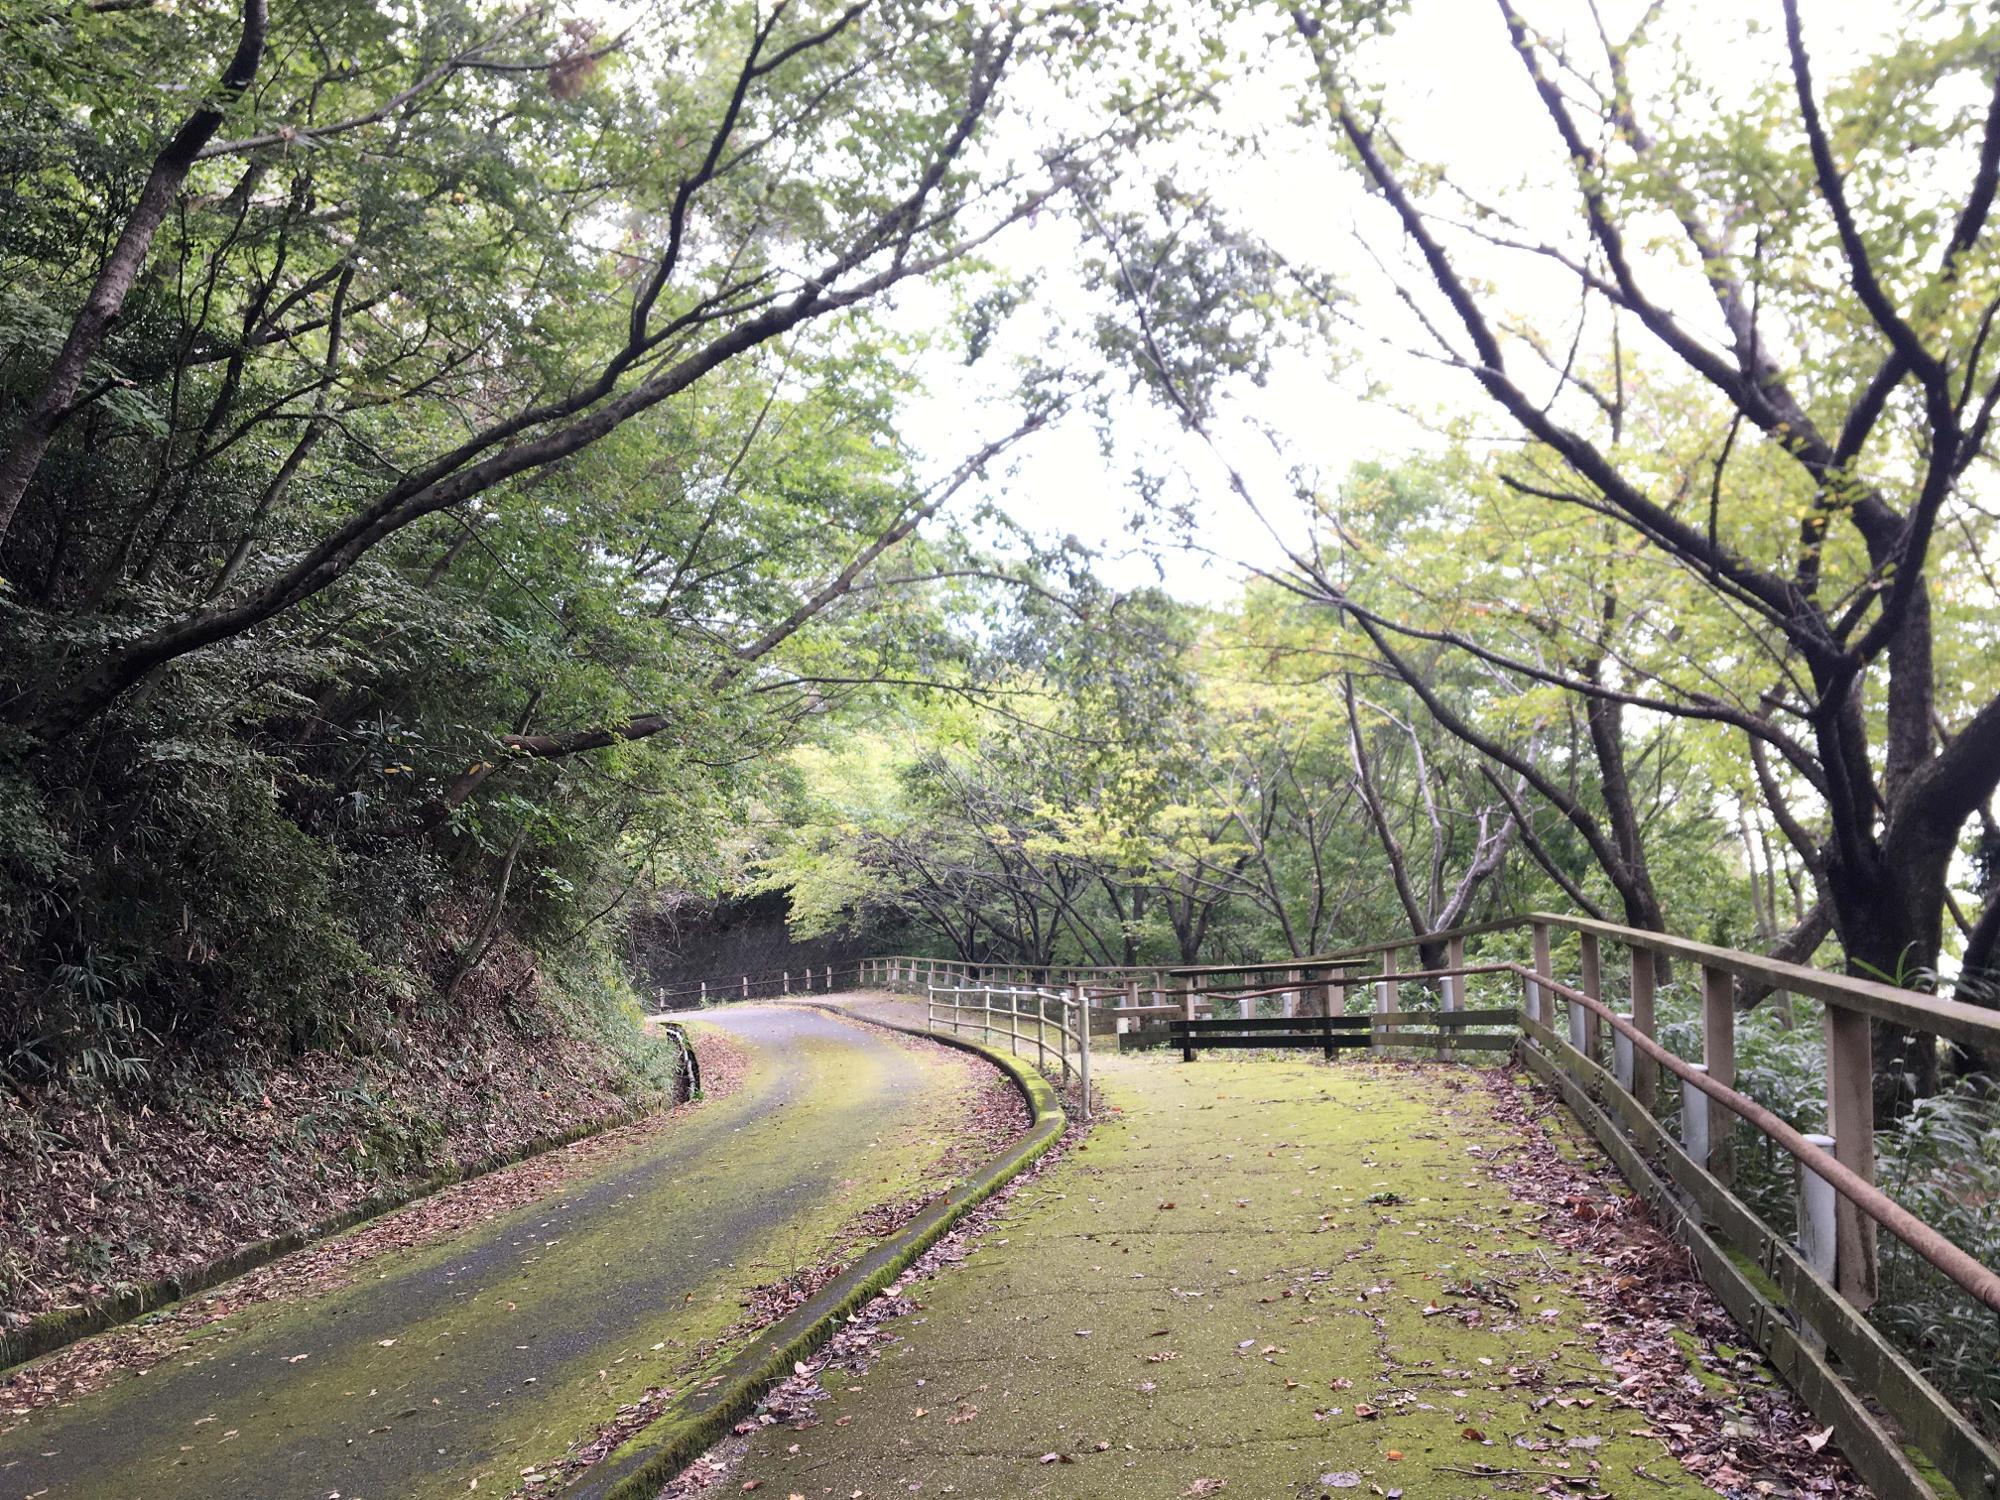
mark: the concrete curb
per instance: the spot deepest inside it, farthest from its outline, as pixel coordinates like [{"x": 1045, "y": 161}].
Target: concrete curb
[
  {"x": 701, "y": 1417},
  {"x": 47, "y": 1332}
]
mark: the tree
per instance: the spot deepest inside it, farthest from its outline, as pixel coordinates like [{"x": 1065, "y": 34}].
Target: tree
[
  {"x": 1851, "y": 416},
  {"x": 440, "y": 463}
]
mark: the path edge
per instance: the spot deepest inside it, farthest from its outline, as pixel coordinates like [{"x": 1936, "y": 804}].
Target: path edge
[
  {"x": 48, "y": 1332},
  {"x": 711, "y": 1409}
]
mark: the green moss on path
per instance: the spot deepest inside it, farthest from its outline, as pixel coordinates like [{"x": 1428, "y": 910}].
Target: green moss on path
[{"x": 1290, "y": 1277}]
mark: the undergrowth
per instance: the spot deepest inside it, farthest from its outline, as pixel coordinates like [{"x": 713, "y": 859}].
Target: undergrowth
[{"x": 1941, "y": 1162}]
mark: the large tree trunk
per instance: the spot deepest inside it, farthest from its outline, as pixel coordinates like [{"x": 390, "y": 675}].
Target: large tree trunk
[{"x": 1635, "y": 882}]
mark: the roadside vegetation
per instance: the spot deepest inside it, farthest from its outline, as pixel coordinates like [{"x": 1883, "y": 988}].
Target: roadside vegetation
[{"x": 470, "y": 473}]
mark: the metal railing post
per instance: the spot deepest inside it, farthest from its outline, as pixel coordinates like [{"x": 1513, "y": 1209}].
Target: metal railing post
[
  {"x": 1063, "y": 1035},
  {"x": 1384, "y": 998},
  {"x": 1694, "y": 1119},
  {"x": 1818, "y": 1238},
  {"x": 1621, "y": 1057}
]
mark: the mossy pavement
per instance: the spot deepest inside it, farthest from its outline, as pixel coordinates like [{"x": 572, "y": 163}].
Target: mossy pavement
[
  {"x": 474, "y": 1359},
  {"x": 1265, "y": 1277}
]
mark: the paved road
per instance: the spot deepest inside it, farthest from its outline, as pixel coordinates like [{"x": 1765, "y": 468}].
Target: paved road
[
  {"x": 1255, "y": 1281},
  {"x": 484, "y": 1355}
]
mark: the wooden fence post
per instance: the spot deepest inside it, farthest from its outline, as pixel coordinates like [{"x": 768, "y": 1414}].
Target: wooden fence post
[
  {"x": 1718, "y": 1051},
  {"x": 1451, "y": 994},
  {"x": 1539, "y": 999},
  {"x": 1593, "y": 986},
  {"x": 1850, "y": 1109},
  {"x": 1083, "y": 1045},
  {"x": 1645, "y": 1072},
  {"x": 1385, "y": 996}
]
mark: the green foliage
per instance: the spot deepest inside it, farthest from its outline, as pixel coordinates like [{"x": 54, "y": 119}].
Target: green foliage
[
  {"x": 425, "y": 237},
  {"x": 1942, "y": 1162}
]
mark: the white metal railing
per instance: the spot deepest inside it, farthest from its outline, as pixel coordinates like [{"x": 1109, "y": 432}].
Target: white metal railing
[{"x": 1057, "y": 1021}]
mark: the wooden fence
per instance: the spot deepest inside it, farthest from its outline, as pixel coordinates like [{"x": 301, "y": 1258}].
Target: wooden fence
[{"x": 1803, "y": 1298}]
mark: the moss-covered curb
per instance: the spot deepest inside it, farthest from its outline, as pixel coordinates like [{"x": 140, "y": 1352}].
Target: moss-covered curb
[
  {"x": 50, "y": 1331},
  {"x": 696, "y": 1422}
]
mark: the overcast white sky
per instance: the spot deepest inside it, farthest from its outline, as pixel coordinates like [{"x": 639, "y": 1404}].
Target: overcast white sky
[{"x": 1456, "y": 93}]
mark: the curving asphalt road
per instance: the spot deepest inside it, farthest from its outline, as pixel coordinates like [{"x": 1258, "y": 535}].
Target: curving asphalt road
[{"x": 483, "y": 1356}]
